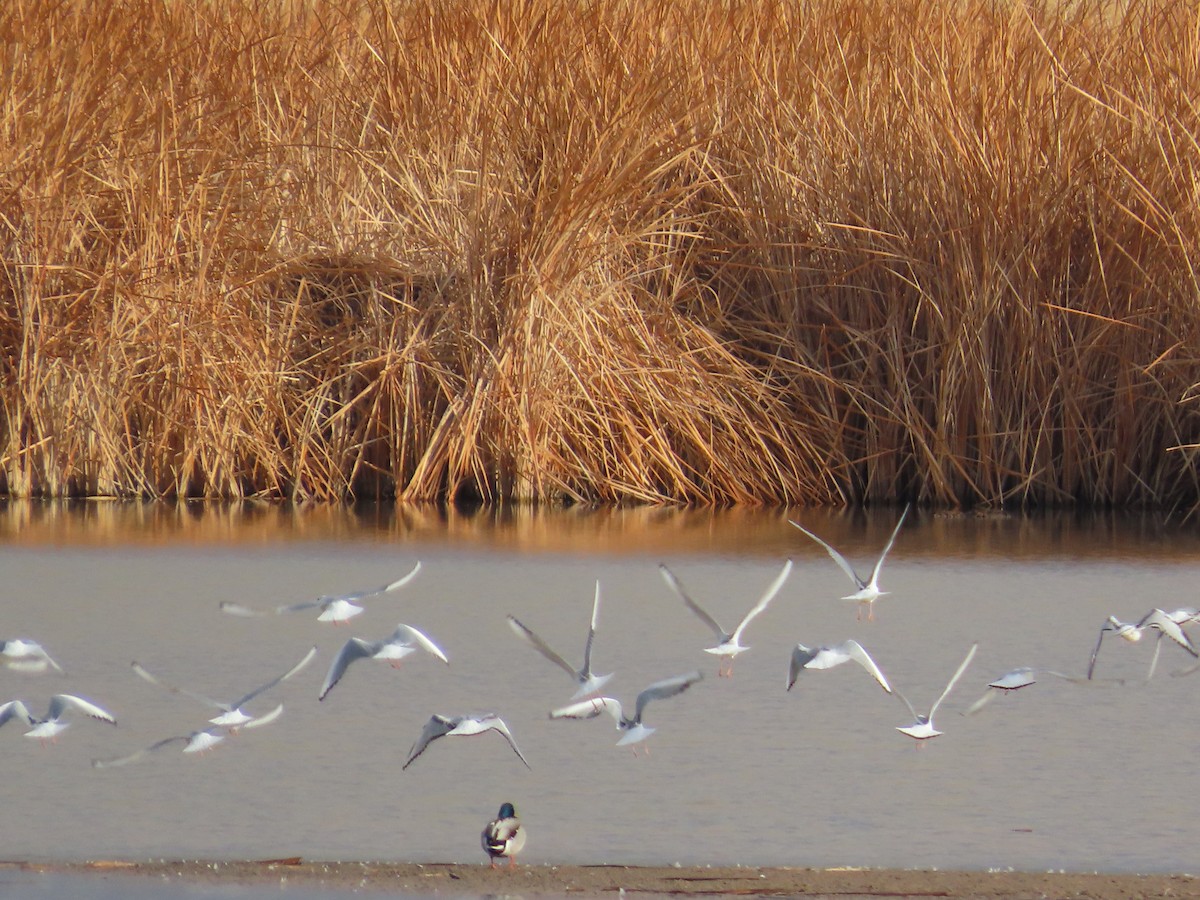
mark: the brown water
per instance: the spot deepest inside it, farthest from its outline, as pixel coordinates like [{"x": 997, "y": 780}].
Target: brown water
[{"x": 740, "y": 770}]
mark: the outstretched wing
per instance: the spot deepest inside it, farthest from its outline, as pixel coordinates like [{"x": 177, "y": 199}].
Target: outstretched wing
[
  {"x": 236, "y": 609},
  {"x": 912, "y": 712},
  {"x": 495, "y": 723},
  {"x": 541, "y": 646},
  {"x": 958, "y": 674},
  {"x": 436, "y": 727},
  {"x": 60, "y": 703},
  {"x": 660, "y": 690},
  {"x": 983, "y": 701},
  {"x": 15, "y": 709},
  {"x": 887, "y": 549},
  {"x": 673, "y": 584},
  {"x": 265, "y": 719},
  {"x": 274, "y": 681},
  {"x": 586, "y": 671},
  {"x": 352, "y": 651},
  {"x": 835, "y": 556},
  {"x": 1096, "y": 650},
  {"x": 1156, "y": 618},
  {"x": 138, "y": 754},
  {"x": 200, "y": 698},
  {"x": 406, "y": 634},
  {"x": 856, "y": 652},
  {"x": 383, "y": 589},
  {"x": 766, "y": 598},
  {"x": 801, "y": 657},
  {"x": 303, "y": 605},
  {"x": 325, "y": 600}
]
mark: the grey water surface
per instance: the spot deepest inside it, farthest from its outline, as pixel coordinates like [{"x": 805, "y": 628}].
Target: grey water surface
[
  {"x": 740, "y": 771},
  {"x": 16, "y": 885}
]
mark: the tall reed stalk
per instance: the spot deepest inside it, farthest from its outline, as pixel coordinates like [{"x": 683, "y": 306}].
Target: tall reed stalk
[{"x": 609, "y": 251}]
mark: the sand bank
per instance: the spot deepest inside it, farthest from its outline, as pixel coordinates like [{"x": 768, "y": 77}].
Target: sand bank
[{"x": 723, "y": 880}]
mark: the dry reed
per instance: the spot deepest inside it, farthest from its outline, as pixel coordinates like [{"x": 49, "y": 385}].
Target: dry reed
[{"x": 609, "y": 251}]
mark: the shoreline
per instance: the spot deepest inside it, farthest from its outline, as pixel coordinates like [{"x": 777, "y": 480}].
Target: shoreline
[{"x": 479, "y": 879}]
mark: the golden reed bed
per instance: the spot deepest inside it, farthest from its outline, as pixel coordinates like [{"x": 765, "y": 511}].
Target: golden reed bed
[{"x": 610, "y": 251}]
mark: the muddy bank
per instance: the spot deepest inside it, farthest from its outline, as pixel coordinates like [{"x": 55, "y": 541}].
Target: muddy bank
[{"x": 480, "y": 880}]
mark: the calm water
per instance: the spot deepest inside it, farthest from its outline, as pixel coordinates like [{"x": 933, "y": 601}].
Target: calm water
[{"x": 740, "y": 770}]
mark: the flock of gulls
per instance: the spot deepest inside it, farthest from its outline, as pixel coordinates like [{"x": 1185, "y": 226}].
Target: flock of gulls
[{"x": 504, "y": 836}]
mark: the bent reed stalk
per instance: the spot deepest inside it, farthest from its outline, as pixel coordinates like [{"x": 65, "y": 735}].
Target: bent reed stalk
[{"x": 610, "y": 251}]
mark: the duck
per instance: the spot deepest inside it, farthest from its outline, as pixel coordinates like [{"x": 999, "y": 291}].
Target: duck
[{"x": 503, "y": 836}]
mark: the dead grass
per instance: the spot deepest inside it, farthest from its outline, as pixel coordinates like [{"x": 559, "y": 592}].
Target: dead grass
[{"x": 611, "y": 251}]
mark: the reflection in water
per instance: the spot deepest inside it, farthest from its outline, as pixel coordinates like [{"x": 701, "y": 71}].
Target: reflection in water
[
  {"x": 606, "y": 530},
  {"x": 741, "y": 771}
]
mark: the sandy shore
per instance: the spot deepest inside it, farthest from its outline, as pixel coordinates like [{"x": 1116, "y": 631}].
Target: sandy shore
[{"x": 538, "y": 879}]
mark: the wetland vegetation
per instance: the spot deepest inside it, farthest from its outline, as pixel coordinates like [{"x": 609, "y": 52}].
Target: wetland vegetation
[{"x": 615, "y": 251}]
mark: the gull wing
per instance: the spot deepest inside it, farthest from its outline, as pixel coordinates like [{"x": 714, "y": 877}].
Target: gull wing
[
  {"x": 265, "y": 719},
  {"x": 801, "y": 657},
  {"x": 913, "y": 712},
  {"x": 352, "y": 651},
  {"x": 589, "y": 709},
  {"x": 436, "y": 727},
  {"x": 828, "y": 657},
  {"x": 541, "y": 646},
  {"x": 406, "y": 634},
  {"x": 236, "y": 609},
  {"x": 303, "y": 605},
  {"x": 1156, "y": 618},
  {"x": 673, "y": 583},
  {"x": 954, "y": 680},
  {"x": 983, "y": 701},
  {"x": 60, "y": 703},
  {"x": 660, "y": 690},
  {"x": 855, "y": 651},
  {"x": 393, "y": 586},
  {"x": 887, "y": 549},
  {"x": 766, "y": 598},
  {"x": 1104, "y": 629},
  {"x": 46, "y": 656},
  {"x": 207, "y": 701},
  {"x": 586, "y": 671},
  {"x": 834, "y": 555},
  {"x": 470, "y": 725},
  {"x": 15, "y": 709},
  {"x": 274, "y": 681},
  {"x": 326, "y": 599},
  {"x": 138, "y": 754},
  {"x": 382, "y": 589}
]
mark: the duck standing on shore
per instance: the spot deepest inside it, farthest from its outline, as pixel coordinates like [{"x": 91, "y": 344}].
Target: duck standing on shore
[{"x": 504, "y": 836}]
